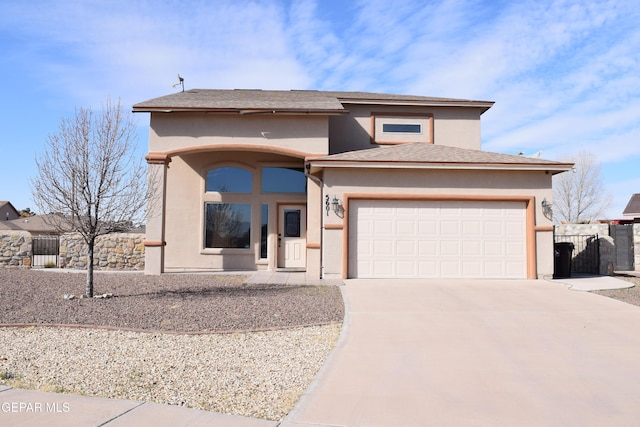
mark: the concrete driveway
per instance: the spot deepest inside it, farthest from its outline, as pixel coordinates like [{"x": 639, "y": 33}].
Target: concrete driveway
[{"x": 480, "y": 353}]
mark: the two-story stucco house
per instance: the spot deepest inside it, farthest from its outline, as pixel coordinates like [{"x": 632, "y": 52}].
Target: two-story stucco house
[{"x": 340, "y": 184}]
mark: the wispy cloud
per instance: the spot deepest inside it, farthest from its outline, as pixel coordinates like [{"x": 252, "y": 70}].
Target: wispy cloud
[
  {"x": 565, "y": 74},
  {"x": 138, "y": 47}
]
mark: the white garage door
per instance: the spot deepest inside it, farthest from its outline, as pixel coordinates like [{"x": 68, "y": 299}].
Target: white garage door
[{"x": 432, "y": 239}]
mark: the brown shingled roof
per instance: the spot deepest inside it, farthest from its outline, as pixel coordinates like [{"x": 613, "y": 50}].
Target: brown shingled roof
[
  {"x": 416, "y": 153},
  {"x": 250, "y": 100},
  {"x": 33, "y": 224},
  {"x": 633, "y": 207}
]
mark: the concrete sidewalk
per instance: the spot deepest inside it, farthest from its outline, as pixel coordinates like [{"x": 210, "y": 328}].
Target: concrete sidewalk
[
  {"x": 28, "y": 408},
  {"x": 587, "y": 283}
]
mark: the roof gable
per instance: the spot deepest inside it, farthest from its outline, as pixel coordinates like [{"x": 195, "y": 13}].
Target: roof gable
[{"x": 633, "y": 207}]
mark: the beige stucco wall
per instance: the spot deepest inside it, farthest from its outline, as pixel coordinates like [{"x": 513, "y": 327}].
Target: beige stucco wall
[
  {"x": 185, "y": 200},
  {"x": 456, "y": 127},
  {"x": 195, "y": 142},
  {"x": 536, "y": 184},
  {"x": 179, "y": 131}
]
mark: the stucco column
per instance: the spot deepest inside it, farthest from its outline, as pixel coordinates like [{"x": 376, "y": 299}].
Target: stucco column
[
  {"x": 154, "y": 243},
  {"x": 314, "y": 229}
]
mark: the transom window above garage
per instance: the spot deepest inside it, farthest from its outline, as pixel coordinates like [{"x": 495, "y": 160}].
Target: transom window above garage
[
  {"x": 228, "y": 179},
  {"x": 398, "y": 128}
]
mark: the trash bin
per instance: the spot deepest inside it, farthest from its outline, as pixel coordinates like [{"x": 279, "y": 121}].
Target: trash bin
[{"x": 563, "y": 252}]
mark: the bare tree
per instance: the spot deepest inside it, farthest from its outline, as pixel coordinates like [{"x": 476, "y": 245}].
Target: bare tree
[
  {"x": 90, "y": 177},
  {"x": 579, "y": 196}
]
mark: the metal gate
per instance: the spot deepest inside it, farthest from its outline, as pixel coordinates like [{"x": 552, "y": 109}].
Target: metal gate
[
  {"x": 623, "y": 242},
  {"x": 586, "y": 253},
  {"x": 45, "y": 250}
]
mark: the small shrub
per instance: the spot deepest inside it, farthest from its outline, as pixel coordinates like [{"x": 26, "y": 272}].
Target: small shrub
[
  {"x": 6, "y": 375},
  {"x": 50, "y": 264}
]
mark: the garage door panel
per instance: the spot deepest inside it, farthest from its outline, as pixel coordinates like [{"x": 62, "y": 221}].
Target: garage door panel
[
  {"x": 513, "y": 229},
  {"x": 407, "y": 227},
  {"x": 494, "y": 268},
  {"x": 406, "y": 269},
  {"x": 493, "y": 248},
  {"x": 515, "y": 248},
  {"x": 472, "y": 248},
  {"x": 383, "y": 247},
  {"x": 437, "y": 239},
  {"x": 472, "y": 228},
  {"x": 449, "y": 248},
  {"x": 381, "y": 212},
  {"x": 473, "y": 212},
  {"x": 492, "y": 228},
  {"x": 471, "y": 268},
  {"x": 450, "y": 269},
  {"x": 383, "y": 227},
  {"x": 427, "y": 268},
  {"x": 407, "y": 248},
  {"x": 365, "y": 249},
  {"x": 427, "y": 248},
  {"x": 383, "y": 268},
  {"x": 449, "y": 228},
  {"x": 427, "y": 228}
]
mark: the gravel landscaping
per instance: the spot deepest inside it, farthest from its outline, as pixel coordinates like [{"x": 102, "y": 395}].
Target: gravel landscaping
[
  {"x": 628, "y": 295},
  {"x": 153, "y": 339},
  {"x": 171, "y": 302}
]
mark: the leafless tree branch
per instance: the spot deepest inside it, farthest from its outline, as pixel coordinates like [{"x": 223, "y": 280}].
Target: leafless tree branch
[
  {"x": 90, "y": 176},
  {"x": 579, "y": 196}
]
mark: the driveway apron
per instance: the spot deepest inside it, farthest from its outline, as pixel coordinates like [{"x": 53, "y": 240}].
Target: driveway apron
[{"x": 478, "y": 353}]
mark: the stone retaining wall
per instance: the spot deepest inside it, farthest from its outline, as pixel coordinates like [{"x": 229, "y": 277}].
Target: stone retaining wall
[
  {"x": 117, "y": 251},
  {"x": 15, "y": 248}
]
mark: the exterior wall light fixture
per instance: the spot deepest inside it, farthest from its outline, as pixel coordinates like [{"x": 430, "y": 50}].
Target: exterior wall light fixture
[{"x": 335, "y": 205}]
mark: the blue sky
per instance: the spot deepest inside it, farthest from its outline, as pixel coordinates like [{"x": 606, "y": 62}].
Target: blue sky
[{"x": 565, "y": 75}]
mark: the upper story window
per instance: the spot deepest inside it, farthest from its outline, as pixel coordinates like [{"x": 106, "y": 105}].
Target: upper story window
[
  {"x": 283, "y": 180},
  {"x": 398, "y": 128},
  {"x": 401, "y": 128},
  {"x": 229, "y": 179}
]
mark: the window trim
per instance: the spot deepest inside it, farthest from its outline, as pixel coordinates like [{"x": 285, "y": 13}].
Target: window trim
[
  {"x": 218, "y": 250},
  {"x": 408, "y": 132},
  {"x": 424, "y": 119}
]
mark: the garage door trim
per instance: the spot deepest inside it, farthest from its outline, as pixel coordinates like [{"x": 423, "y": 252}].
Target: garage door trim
[{"x": 529, "y": 220}]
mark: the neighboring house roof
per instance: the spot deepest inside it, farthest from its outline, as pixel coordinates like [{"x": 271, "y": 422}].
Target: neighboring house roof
[
  {"x": 633, "y": 207},
  {"x": 6, "y": 204},
  {"x": 247, "y": 101},
  {"x": 33, "y": 224},
  {"x": 419, "y": 154}
]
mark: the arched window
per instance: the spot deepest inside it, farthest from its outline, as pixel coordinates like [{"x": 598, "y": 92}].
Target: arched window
[{"x": 228, "y": 179}]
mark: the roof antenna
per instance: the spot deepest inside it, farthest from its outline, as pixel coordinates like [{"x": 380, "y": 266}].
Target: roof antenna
[{"x": 180, "y": 82}]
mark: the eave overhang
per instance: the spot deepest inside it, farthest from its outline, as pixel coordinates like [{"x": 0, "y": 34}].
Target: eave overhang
[
  {"x": 315, "y": 166},
  {"x": 240, "y": 111},
  {"x": 482, "y": 105}
]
